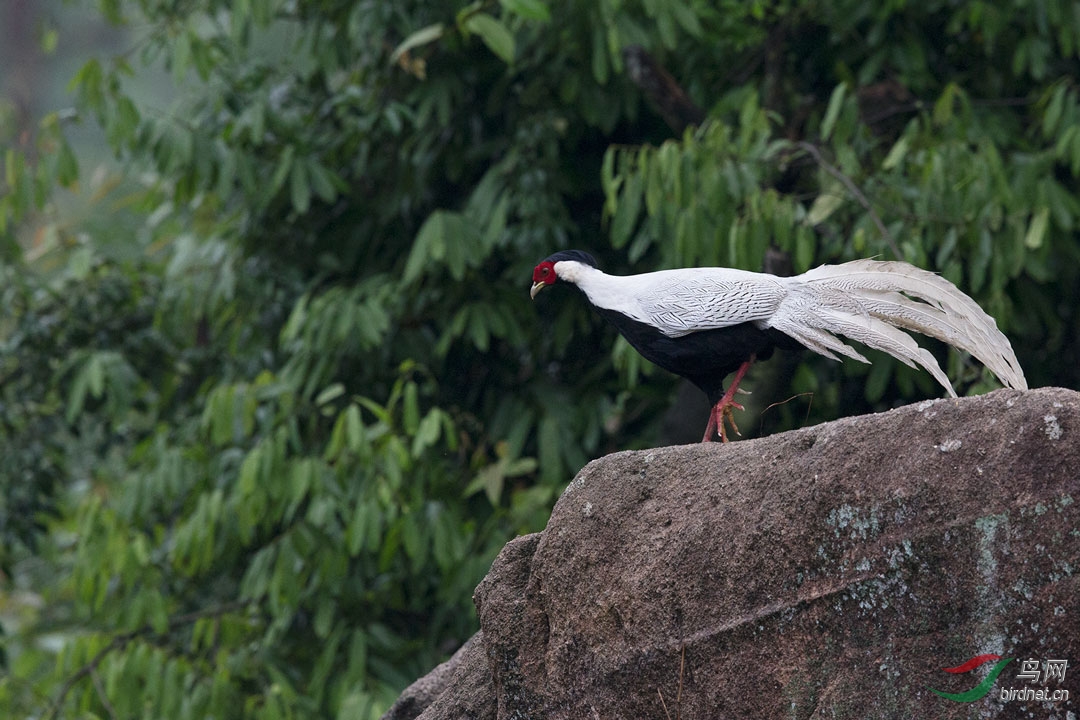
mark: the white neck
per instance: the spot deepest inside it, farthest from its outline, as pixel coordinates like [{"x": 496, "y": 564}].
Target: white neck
[{"x": 611, "y": 292}]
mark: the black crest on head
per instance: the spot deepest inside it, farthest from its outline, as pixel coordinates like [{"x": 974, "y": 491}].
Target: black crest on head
[{"x": 580, "y": 256}]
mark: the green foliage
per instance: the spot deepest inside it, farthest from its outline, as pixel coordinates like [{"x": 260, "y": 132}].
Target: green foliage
[
  {"x": 274, "y": 399},
  {"x": 979, "y": 182}
]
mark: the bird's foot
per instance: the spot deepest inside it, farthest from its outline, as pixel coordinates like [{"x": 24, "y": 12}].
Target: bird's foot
[
  {"x": 721, "y": 415},
  {"x": 722, "y": 412}
]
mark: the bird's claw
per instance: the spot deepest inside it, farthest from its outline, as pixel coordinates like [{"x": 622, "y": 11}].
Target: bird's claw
[
  {"x": 722, "y": 415},
  {"x": 722, "y": 412},
  {"x": 730, "y": 417}
]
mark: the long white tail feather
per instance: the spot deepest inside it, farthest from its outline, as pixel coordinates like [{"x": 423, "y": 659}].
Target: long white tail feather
[
  {"x": 823, "y": 342},
  {"x": 879, "y": 335},
  {"x": 921, "y": 317},
  {"x": 872, "y": 302}
]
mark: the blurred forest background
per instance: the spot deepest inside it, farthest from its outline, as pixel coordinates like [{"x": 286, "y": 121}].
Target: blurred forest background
[{"x": 272, "y": 390}]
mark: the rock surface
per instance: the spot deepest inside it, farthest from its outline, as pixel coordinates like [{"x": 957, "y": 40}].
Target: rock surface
[{"x": 831, "y": 571}]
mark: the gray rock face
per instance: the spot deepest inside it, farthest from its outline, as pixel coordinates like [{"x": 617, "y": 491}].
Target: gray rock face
[{"x": 832, "y": 571}]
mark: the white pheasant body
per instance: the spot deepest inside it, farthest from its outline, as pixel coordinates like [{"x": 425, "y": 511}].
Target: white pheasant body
[{"x": 868, "y": 301}]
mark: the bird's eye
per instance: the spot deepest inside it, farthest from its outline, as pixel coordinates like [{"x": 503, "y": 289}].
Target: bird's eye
[{"x": 543, "y": 271}]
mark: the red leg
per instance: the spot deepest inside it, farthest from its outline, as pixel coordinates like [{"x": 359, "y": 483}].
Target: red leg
[
  {"x": 710, "y": 429},
  {"x": 722, "y": 413}
]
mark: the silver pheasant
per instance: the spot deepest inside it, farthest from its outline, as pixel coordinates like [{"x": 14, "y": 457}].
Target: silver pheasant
[{"x": 703, "y": 323}]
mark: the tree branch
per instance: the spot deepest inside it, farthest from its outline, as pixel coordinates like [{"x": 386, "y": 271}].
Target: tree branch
[
  {"x": 121, "y": 641},
  {"x": 852, "y": 188},
  {"x": 102, "y": 696},
  {"x": 669, "y": 98}
]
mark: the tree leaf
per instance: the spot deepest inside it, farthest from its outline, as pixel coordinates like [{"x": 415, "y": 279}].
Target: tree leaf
[
  {"x": 355, "y": 432},
  {"x": 427, "y": 432},
  {"x": 824, "y": 205},
  {"x": 832, "y": 111},
  {"x": 490, "y": 479},
  {"x": 1052, "y": 115},
  {"x": 330, "y": 393},
  {"x": 1036, "y": 231},
  {"x": 423, "y": 36},
  {"x": 896, "y": 154},
  {"x": 299, "y": 187},
  {"x": 528, "y": 9},
  {"x": 943, "y": 108},
  {"x": 249, "y": 471},
  {"x": 494, "y": 34},
  {"x": 284, "y": 166},
  {"x": 430, "y": 244},
  {"x": 411, "y": 409},
  {"x": 95, "y": 373}
]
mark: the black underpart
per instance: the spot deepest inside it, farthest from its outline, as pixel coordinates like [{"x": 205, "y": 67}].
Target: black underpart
[{"x": 704, "y": 358}]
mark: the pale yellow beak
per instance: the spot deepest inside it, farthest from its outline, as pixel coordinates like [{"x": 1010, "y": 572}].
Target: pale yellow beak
[{"x": 537, "y": 287}]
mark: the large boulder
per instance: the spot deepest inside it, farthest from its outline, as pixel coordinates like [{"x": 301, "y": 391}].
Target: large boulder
[{"x": 832, "y": 571}]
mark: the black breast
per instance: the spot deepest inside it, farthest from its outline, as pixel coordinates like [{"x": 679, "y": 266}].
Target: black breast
[{"x": 704, "y": 358}]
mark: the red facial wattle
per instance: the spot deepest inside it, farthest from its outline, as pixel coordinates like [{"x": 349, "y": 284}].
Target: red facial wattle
[
  {"x": 544, "y": 272},
  {"x": 543, "y": 275}
]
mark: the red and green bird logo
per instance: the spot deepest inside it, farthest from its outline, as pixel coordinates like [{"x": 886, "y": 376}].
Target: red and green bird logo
[{"x": 983, "y": 687}]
